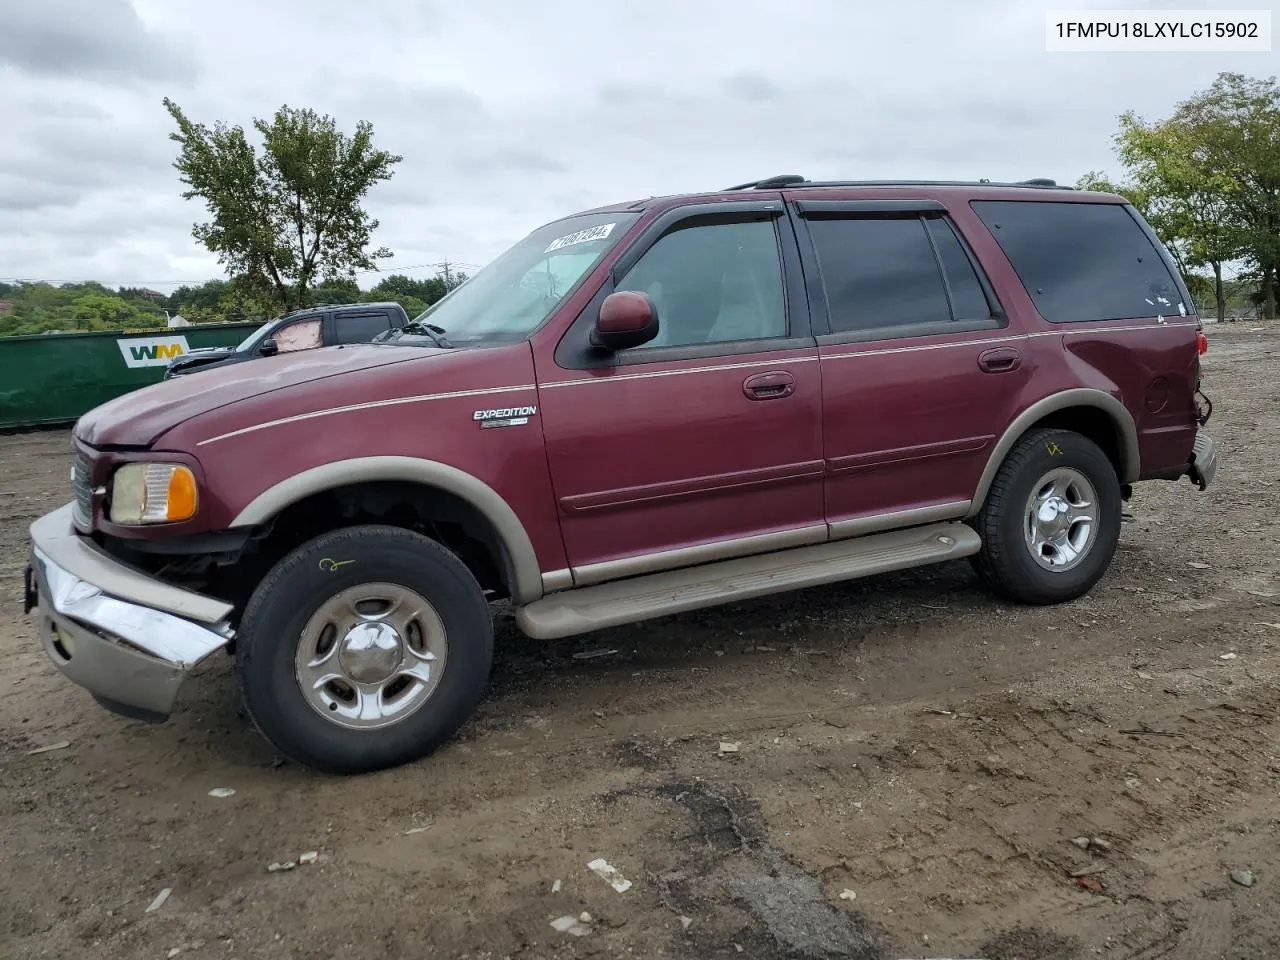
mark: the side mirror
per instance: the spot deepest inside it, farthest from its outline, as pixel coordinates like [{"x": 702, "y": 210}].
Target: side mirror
[
  {"x": 268, "y": 347},
  {"x": 627, "y": 319}
]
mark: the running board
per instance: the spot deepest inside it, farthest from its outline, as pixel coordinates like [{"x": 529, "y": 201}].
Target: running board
[{"x": 691, "y": 588}]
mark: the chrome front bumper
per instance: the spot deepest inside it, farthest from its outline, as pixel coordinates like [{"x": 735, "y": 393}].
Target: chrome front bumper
[{"x": 127, "y": 638}]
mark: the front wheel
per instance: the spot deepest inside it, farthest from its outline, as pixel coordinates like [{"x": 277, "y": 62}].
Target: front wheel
[
  {"x": 364, "y": 649},
  {"x": 1051, "y": 521}
]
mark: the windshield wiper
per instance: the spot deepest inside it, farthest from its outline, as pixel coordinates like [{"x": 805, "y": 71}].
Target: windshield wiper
[{"x": 434, "y": 333}]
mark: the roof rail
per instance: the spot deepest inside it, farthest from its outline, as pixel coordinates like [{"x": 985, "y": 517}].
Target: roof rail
[
  {"x": 772, "y": 183},
  {"x": 793, "y": 181}
]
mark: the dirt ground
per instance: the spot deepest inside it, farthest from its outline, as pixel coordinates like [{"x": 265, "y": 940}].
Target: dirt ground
[{"x": 907, "y": 739}]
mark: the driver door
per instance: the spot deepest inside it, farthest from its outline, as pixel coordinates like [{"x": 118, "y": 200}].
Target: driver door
[{"x": 706, "y": 442}]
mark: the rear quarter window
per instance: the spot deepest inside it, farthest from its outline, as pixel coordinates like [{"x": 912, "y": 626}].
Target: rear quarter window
[{"x": 1083, "y": 261}]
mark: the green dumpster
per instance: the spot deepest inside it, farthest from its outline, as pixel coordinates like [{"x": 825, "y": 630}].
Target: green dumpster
[{"x": 57, "y": 377}]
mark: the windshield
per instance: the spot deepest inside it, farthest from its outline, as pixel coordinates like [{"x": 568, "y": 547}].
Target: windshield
[
  {"x": 515, "y": 293},
  {"x": 248, "y": 341}
]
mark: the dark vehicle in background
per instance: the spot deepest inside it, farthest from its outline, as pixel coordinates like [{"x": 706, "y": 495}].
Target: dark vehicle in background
[{"x": 323, "y": 326}]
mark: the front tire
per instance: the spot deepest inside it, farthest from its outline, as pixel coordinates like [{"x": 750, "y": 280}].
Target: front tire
[
  {"x": 1051, "y": 521},
  {"x": 364, "y": 649}
]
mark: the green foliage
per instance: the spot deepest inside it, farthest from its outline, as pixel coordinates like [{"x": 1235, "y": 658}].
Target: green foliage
[
  {"x": 1208, "y": 180},
  {"x": 290, "y": 216},
  {"x": 337, "y": 291},
  {"x": 398, "y": 285},
  {"x": 42, "y": 307},
  {"x": 105, "y": 311},
  {"x": 206, "y": 296}
]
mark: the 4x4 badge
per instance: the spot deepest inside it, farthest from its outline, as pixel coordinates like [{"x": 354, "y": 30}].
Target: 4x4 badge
[{"x": 505, "y": 417}]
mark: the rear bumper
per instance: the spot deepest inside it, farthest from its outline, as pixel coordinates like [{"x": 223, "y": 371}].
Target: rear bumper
[
  {"x": 1204, "y": 460},
  {"x": 127, "y": 638}
]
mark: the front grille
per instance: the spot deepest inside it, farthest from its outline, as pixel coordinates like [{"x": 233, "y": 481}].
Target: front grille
[{"x": 82, "y": 489}]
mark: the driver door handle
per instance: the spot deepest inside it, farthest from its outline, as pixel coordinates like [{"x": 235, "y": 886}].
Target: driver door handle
[{"x": 769, "y": 386}]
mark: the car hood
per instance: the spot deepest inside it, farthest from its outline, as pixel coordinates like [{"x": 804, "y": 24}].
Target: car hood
[
  {"x": 200, "y": 356},
  {"x": 138, "y": 418},
  {"x": 206, "y": 352}
]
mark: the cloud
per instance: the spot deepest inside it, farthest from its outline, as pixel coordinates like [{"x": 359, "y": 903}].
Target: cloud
[
  {"x": 515, "y": 160},
  {"x": 753, "y": 87},
  {"x": 89, "y": 39},
  {"x": 510, "y": 114}
]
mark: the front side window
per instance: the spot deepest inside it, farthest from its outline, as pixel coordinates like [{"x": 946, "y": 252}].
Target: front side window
[
  {"x": 301, "y": 335},
  {"x": 512, "y": 296},
  {"x": 882, "y": 273},
  {"x": 359, "y": 328},
  {"x": 713, "y": 283},
  {"x": 1082, "y": 261}
]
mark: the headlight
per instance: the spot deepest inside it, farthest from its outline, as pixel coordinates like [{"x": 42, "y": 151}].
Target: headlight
[{"x": 153, "y": 493}]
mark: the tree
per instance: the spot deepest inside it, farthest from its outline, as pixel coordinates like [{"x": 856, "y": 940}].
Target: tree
[
  {"x": 205, "y": 296},
  {"x": 398, "y": 285},
  {"x": 291, "y": 215},
  {"x": 1214, "y": 166},
  {"x": 338, "y": 291},
  {"x": 415, "y": 295},
  {"x": 1187, "y": 200},
  {"x": 106, "y": 311}
]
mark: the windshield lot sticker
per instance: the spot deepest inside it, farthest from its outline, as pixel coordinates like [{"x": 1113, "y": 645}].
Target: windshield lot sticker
[{"x": 582, "y": 236}]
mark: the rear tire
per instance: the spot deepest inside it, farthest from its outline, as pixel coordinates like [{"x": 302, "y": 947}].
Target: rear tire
[
  {"x": 1051, "y": 521},
  {"x": 363, "y": 649}
]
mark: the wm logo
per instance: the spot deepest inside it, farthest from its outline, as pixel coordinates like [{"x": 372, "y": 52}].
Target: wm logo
[
  {"x": 151, "y": 351},
  {"x": 161, "y": 351}
]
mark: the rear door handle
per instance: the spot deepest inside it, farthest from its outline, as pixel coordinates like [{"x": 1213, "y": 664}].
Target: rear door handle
[
  {"x": 999, "y": 360},
  {"x": 769, "y": 386}
]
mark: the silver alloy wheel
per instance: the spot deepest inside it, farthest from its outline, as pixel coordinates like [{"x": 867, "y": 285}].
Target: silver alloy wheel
[
  {"x": 371, "y": 655},
  {"x": 1061, "y": 519}
]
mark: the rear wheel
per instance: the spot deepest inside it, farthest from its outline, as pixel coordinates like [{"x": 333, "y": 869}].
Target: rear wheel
[
  {"x": 364, "y": 649},
  {"x": 1051, "y": 521}
]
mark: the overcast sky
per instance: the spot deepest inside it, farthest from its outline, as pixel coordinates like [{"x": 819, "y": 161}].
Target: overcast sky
[{"x": 510, "y": 113}]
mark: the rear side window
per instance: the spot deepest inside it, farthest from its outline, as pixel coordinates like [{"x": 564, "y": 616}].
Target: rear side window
[
  {"x": 1082, "y": 261},
  {"x": 360, "y": 327},
  {"x": 886, "y": 273}
]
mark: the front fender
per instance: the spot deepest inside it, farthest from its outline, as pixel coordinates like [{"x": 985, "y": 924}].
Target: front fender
[{"x": 525, "y": 575}]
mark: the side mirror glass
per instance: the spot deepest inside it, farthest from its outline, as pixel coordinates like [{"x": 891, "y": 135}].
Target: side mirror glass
[
  {"x": 627, "y": 319},
  {"x": 268, "y": 347}
]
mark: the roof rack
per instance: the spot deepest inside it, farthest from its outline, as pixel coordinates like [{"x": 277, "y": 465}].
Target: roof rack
[
  {"x": 772, "y": 183},
  {"x": 789, "y": 180}
]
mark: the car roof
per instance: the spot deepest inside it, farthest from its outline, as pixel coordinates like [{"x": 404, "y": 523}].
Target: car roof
[
  {"x": 330, "y": 307},
  {"x": 790, "y": 186}
]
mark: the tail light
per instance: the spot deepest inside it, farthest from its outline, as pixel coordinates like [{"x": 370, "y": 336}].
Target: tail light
[{"x": 1202, "y": 342}]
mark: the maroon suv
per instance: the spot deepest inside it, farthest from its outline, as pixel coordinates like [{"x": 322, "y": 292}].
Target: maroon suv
[{"x": 642, "y": 409}]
